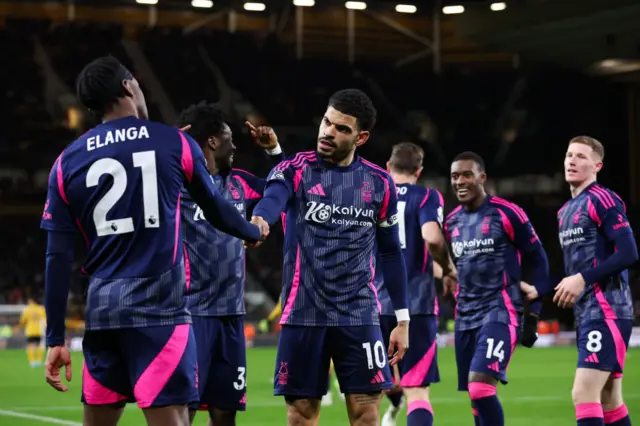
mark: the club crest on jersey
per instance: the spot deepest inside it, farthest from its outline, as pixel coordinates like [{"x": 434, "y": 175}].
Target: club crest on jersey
[
  {"x": 234, "y": 192},
  {"x": 321, "y": 213},
  {"x": 367, "y": 193}
]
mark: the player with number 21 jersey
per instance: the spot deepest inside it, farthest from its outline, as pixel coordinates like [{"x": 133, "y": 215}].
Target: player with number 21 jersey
[{"x": 119, "y": 186}]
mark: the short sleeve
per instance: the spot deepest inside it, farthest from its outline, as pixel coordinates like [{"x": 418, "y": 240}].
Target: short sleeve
[
  {"x": 388, "y": 213},
  {"x": 431, "y": 207},
  {"x": 609, "y": 213},
  {"x": 57, "y": 215}
]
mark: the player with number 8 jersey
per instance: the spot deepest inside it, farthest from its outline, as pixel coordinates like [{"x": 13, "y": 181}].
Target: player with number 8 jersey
[
  {"x": 598, "y": 246},
  {"x": 119, "y": 186}
]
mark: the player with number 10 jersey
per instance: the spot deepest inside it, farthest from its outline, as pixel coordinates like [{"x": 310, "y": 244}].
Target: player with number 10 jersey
[{"x": 119, "y": 186}]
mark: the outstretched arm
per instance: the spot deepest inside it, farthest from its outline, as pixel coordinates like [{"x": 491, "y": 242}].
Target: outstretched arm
[{"x": 218, "y": 211}]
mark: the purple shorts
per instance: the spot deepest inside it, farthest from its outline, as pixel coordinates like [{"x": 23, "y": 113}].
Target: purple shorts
[{"x": 153, "y": 366}]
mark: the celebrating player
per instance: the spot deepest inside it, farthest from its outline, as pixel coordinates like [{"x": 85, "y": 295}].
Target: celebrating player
[
  {"x": 337, "y": 206},
  {"x": 215, "y": 262},
  {"x": 420, "y": 215},
  {"x": 119, "y": 186},
  {"x": 598, "y": 247},
  {"x": 487, "y": 234},
  {"x": 33, "y": 319}
]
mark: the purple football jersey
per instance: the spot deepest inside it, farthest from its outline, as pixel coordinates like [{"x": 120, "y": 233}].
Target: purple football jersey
[
  {"x": 486, "y": 246},
  {"x": 587, "y": 225},
  {"x": 119, "y": 186},
  {"x": 331, "y": 224},
  {"x": 417, "y": 205},
  {"x": 214, "y": 260}
]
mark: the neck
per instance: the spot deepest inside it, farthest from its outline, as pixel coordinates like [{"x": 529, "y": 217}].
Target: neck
[
  {"x": 211, "y": 163},
  {"x": 119, "y": 112},
  {"x": 401, "y": 179},
  {"x": 346, "y": 161},
  {"x": 475, "y": 204},
  {"x": 577, "y": 190}
]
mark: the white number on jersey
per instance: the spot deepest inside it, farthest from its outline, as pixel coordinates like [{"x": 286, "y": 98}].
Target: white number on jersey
[
  {"x": 594, "y": 341},
  {"x": 147, "y": 162},
  {"x": 496, "y": 351},
  {"x": 377, "y": 353},
  {"x": 402, "y": 205},
  {"x": 241, "y": 382}
]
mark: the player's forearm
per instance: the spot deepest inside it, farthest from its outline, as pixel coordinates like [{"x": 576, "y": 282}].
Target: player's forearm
[
  {"x": 440, "y": 254},
  {"x": 626, "y": 254},
  {"x": 220, "y": 213},
  {"x": 394, "y": 270},
  {"x": 56, "y": 286},
  {"x": 274, "y": 201},
  {"x": 539, "y": 265}
]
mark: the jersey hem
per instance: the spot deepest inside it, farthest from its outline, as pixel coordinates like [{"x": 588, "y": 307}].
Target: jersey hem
[{"x": 177, "y": 321}]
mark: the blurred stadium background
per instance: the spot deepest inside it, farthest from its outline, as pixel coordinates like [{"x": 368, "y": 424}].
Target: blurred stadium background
[{"x": 513, "y": 81}]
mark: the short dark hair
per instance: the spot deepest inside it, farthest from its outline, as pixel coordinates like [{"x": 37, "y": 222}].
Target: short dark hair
[
  {"x": 592, "y": 143},
  {"x": 469, "y": 155},
  {"x": 406, "y": 157},
  {"x": 357, "y": 104},
  {"x": 99, "y": 84},
  {"x": 206, "y": 120}
]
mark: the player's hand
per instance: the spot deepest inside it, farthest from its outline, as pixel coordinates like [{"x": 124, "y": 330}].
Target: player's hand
[
  {"x": 529, "y": 330},
  {"x": 398, "y": 342},
  {"x": 186, "y": 128},
  {"x": 263, "y": 136},
  {"x": 449, "y": 285},
  {"x": 57, "y": 357},
  {"x": 530, "y": 292},
  {"x": 264, "y": 231},
  {"x": 568, "y": 290}
]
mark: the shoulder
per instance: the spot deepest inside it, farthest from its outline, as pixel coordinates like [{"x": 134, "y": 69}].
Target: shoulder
[
  {"x": 429, "y": 195},
  {"x": 240, "y": 173},
  {"x": 561, "y": 209},
  {"x": 297, "y": 161},
  {"x": 454, "y": 214},
  {"x": 604, "y": 198},
  {"x": 377, "y": 172},
  {"x": 511, "y": 210}
]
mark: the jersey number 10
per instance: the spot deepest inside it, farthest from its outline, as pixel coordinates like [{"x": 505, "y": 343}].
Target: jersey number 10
[{"x": 147, "y": 162}]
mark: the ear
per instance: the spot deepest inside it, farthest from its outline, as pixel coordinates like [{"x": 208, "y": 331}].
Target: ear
[
  {"x": 128, "y": 90},
  {"x": 419, "y": 172},
  {"x": 483, "y": 178},
  {"x": 213, "y": 143},
  {"x": 599, "y": 166},
  {"x": 362, "y": 138},
  {"x": 388, "y": 166}
]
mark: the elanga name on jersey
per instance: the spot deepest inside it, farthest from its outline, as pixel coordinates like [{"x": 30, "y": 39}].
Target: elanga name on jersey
[{"x": 116, "y": 136}]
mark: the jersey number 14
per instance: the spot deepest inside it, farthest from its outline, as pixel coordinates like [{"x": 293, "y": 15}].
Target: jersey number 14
[{"x": 146, "y": 161}]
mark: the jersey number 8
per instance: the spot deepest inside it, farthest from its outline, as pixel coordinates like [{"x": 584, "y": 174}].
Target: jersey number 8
[
  {"x": 147, "y": 162},
  {"x": 594, "y": 341}
]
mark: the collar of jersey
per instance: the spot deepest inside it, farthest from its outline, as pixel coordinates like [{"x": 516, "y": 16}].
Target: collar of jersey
[{"x": 341, "y": 169}]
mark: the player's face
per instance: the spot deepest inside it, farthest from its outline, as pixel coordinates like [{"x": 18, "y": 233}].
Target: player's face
[
  {"x": 133, "y": 87},
  {"x": 224, "y": 149},
  {"x": 467, "y": 180},
  {"x": 339, "y": 135},
  {"x": 581, "y": 163}
]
